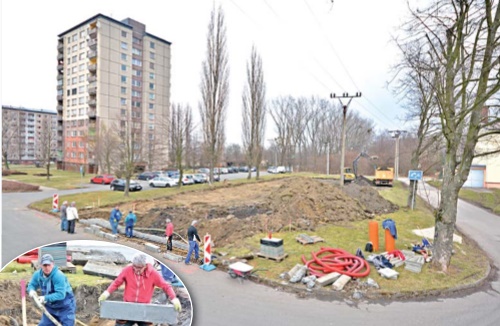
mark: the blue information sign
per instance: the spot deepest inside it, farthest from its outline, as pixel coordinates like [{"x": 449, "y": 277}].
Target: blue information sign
[{"x": 415, "y": 175}]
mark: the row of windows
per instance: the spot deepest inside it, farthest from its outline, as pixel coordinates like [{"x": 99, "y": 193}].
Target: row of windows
[
  {"x": 74, "y": 37},
  {"x": 75, "y": 133},
  {"x": 74, "y": 143},
  {"x": 75, "y": 58},
  {"x": 73, "y": 155}
]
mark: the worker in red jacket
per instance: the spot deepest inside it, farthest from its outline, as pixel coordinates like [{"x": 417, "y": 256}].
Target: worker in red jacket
[
  {"x": 140, "y": 279},
  {"x": 169, "y": 233}
]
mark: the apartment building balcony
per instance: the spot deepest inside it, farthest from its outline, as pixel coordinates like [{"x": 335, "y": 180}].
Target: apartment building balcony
[
  {"x": 60, "y": 67},
  {"x": 91, "y": 54},
  {"x": 93, "y": 32},
  {"x": 92, "y": 43},
  {"x": 60, "y": 77},
  {"x": 59, "y": 98},
  {"x": 92, "y": 113},
  {"x": 59, "y": 156},
  {"x": 93, "y": 67},
  {"x": 59, "y": 128},
  {"x": 93, "y": 88},
  {"x": 59, "y": 117},
  {"x": 92, "y": 103},
  {"x": 59, "y": 87},
  {"x": 60, "y": 47},
  {"x": 60, "y": 56},
  {"x": 59, "y": 108},
  {"x": 92, "y": 79}
]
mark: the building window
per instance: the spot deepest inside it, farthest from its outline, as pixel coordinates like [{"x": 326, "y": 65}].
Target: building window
[
  {"x": 81, "y": 78},
  {"x": 74, "y": 37},
  {"x": 136, "y": 93},
  {"x": 124, "y": 67},
  {"x": 82, "y": 56},
  {"x": 123, "y": 112},
  {"x": 82, "y": 45},
  {"x": 151, "y": 116},
  {"x": 74, "y": 48},
  {"x": 151, "y": 127},
  {"x": 151, "y": 86},
  {"x": 151, "y": 96},
  {"x": 73, "y": 81},
  {"x": 136, "y": 83},
  {"x": 74, "y": 58},
  {"x": 73, "y": 91},
  {"x": 152, "y": 45},
  {"x": 124, "y": 90},
  {"x": 81, "y": 100},
  {"x": 123, "y": 101},
  {"x": 124, "y": 79},
  {"x": 81, "y": 90},
  {"x": 136, "y": 104},
  {"x": 151, "y": 105},
  {"x": 137, "y": 62},
  {"x": 136, "y": 51},
  {"x": 81, "y": 67},
  {"x": 124, "y": 34},
  {"x": 74, "y": 70},
  {"x": 124, "y": 57},
  {"x": 68, "y": 81},
  {"x": 136, "y": 40},
  {"x": 137, "y": 73},
  {"x": 151, "y": 66},
  {"x": 152, "y": 55},
  {"x": 69, "y": 39},
  {"x": 151, "y": 75},
  {"x": 124, "y": 45},
  {"x": 82, "y": 34}
]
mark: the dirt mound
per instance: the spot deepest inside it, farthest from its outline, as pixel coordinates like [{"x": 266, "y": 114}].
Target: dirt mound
[
  {"x": 15, "y": 186},
  {"x": 236, "y": 212},
  {"x": 370, "y": 199}
]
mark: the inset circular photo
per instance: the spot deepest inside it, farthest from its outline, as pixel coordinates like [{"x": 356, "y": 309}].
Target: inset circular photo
[{"x": 91, "y": 283}]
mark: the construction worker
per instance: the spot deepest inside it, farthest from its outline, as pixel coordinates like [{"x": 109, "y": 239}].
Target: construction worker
[
  {"x": 169, "y": 232},
  {"x": 192, "y": 235},
  {"x": 130, "y": 221},
  {"x": 64, "y": 218},
  {"x": 114, "y": 219},
  {"x": 72, "y": 216},
  {"x": 140, "y": 279},
  {"x": 57, "y": 295}
]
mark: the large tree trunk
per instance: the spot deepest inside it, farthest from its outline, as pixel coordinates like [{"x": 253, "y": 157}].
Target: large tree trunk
[{"x": 446, "y": 217}]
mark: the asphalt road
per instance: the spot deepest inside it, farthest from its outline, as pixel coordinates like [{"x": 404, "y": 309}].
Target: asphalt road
[{"x": 220, "y": 300}]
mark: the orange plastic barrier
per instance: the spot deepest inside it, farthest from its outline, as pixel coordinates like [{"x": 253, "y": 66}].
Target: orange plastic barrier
[
  {"x": 373, "y": 234},
  {"x": 390, "y": 243}
]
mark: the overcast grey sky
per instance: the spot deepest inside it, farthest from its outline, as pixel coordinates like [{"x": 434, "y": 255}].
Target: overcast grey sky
[{"x": 307, "y": 48}]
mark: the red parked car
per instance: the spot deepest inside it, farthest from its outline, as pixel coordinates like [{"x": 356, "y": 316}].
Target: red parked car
[{"x": 102, "y": 179}]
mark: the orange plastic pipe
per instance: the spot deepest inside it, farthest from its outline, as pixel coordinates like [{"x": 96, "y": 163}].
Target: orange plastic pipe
[
  {"x": 373, "y": 234},
  {"x": 390, "y": 243}
]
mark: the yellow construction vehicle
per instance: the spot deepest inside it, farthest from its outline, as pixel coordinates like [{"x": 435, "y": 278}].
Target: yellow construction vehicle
[
  {"x": 349, "y": 175},
  {"x": 384, "y": 176}
]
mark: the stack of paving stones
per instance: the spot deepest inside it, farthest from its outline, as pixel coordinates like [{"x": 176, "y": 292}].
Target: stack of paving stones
[
  {"x": 272, "y": 247},
  {"x": 414, "y": 264},
  {"x": 57, "y": 251}
]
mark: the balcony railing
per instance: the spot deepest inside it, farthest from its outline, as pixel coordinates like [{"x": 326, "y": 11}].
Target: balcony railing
[
  {"x": 93, "y": 67},
  {"x": 92, "y": 79},
  {"x": 59, "y": 108},
  {"x": 60, "y": 56},
  {"x": 60, "y": 46},
  {"x": 92, "y": 103},
  {"x": 60, "y": 67},
  {"x": 91, "y": 54},
  {"x": 92, "y": 43},
  {"x": 59, "y": 98},
  {"x": 93, "y": 32},
  {"x": 92, "y": 114}
]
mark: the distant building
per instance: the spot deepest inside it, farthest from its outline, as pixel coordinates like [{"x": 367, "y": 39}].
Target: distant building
[
  {"x": 24, "y": 132},
  {"x": 111, "y": 74}
]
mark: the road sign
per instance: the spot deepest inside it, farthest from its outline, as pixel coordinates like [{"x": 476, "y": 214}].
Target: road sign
[{"x": 415, "y": 175}]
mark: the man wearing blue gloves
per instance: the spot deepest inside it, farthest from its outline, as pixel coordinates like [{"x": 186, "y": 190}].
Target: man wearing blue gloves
[{"x": 57, "y": 295}]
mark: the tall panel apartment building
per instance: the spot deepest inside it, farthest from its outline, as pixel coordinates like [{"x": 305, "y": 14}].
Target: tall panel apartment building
[
  {"x": 28, "y": 135},
  {"x": 111, "y": 75}
]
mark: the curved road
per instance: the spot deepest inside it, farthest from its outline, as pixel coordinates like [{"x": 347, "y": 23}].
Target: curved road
[{"x": 220, "y": 300}]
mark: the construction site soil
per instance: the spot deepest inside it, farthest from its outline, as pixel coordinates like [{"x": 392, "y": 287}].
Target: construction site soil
[
  {"x": 87, "y": 307},
  {"x": 236, "y": 212}
]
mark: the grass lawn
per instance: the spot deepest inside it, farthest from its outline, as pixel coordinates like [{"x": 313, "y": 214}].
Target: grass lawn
[
  {"x": 59, "y": 179},
  {"x": 489, "y": 199},
  {"x": 17, "y": 272}
]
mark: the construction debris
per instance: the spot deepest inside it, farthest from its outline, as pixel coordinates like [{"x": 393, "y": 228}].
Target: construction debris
[
  {"x": 328, "y": 279},
  {"x": 388, "y": 273},
  {"x": 414, "y": 264},
  {"x": 306, "y": 239},
  {"x": 339, "y": 284}
]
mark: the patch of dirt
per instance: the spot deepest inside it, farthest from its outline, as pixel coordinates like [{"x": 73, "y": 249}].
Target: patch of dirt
[
  {"x": 12, "y": 172},
  {"x": 87, "y": 306},
  {"x": 15, "y": 186},
  {"x": 370, "y": 198},
  {"x": 235, "y": 212}
]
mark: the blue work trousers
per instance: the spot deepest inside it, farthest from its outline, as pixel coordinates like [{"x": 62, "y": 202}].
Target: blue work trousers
[
  {"x": 114, "y": 227},
  {"x": 63, "y": 311},
  {"x": 193, "y": 245},
  {"x": 64, "y": 224},
  {"x": 129, "y": 231}
]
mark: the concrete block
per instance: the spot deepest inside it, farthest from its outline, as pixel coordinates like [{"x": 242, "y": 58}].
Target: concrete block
[
  {"x": 153, "y": 313},
  {"x": 173, "y": 257},
  {"x": 341, "y": 282},
  {"x": 88, "y": 230},
  {"x": 151, "y": 247},
  {"x": 328, "y": 279},
  {"x": 388, "y": 273},
  {"x": 99, "y": 269},
  {"x": 294, "y": 270},
  {"x": 100, "y": 234},
  {"x": 110, "y": 236}
]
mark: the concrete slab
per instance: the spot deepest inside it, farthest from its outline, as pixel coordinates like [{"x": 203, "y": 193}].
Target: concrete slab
[
  {"x": 173, "y": 257},
  {"x": 110, "y": 236},
  {"x": 341, "y": 282},
  {"x": 328, "y": 279},
  {"x": 153, "y": 313},
  {"x": 100, "y": 269},
  {"x": 151, "y": 247}
]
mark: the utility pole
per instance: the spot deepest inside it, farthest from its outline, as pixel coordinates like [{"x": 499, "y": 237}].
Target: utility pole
[
  {"x": 344, "y": 107},
  {"x": 396, "y": 134}
]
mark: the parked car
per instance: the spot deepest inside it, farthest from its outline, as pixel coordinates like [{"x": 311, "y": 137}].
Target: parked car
[
  {"x": 272, "y": 169},
  {"x": 187, "y": 179},
  {"x": 200, "y": 178},
  {"x": 243, "y": 169},
  {"x": 204, "y": 170},
  {"x": 280, "y": 169},
  {"x": 102, "y": 179},
  {"x": 163, "y": 182},
  {"x": 147, "y": 176},
  {"x": 119, "y": 184},
  {"x": 224, "y": 171}
]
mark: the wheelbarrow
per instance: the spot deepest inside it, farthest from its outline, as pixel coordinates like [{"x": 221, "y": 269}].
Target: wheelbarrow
[{"x": 240, "y": 270}]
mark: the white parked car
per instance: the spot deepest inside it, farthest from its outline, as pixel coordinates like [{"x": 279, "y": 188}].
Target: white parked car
[
  {"x": 280, "y": 169},
  {"x": 272, "y": 169},
  {"x": 163, "y": 182}
]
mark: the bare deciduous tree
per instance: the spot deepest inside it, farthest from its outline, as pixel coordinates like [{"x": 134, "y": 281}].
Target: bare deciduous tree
[
  {"x": 104, "y": 148},
  {"x": 215, "y": 88},
  {"x": 254, "y": 112},
  {"x": 47, "y": 144},
  {"x": 10, "y": 135},
  {"x": 181, "y": 125},
  {"x": 460, "y": 40}
]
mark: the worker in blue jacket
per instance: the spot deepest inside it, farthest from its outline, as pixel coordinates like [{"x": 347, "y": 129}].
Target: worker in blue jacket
[
  {"x": 57, "y": 295},
  {"x": 130, "y": 221},
  {"x": 114, "y": 219}
]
